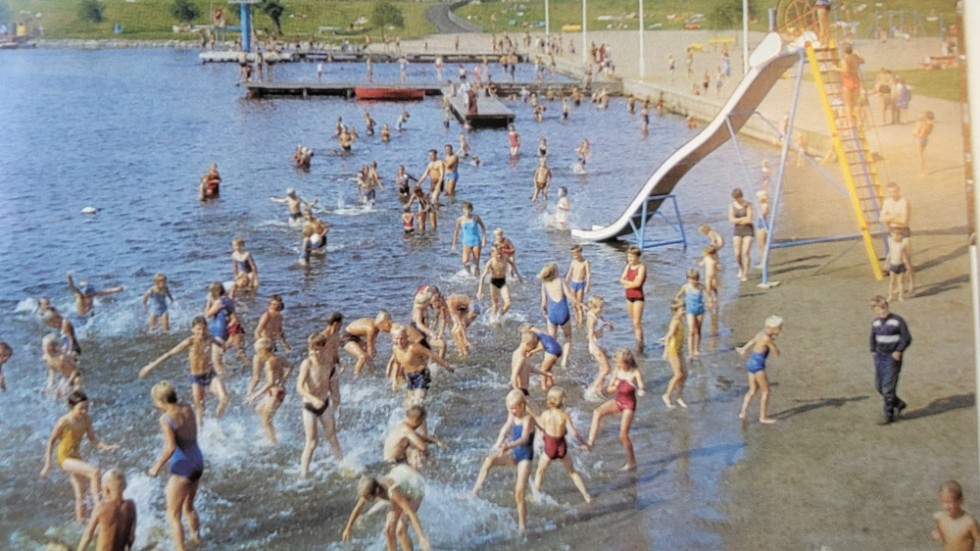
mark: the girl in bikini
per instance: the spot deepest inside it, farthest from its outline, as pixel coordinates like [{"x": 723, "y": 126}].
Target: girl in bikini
[
  {"x": 555, "y": 422},
  {"x": 517, "y": 437},
  {"x": 271, "y": 394},
  {"x": 595, "y": 325},
  {"x": 554, "y": 305},
  {"x": 627, "y": 383},
  {"x": 67, "y": 434},
  {"x": 673, "y": 344}
]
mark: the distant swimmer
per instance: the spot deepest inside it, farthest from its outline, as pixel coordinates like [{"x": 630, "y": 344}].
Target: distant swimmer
[
  {"x": 542, "y": 179},
  {"x": 295, "y": 204},
  {"x": 210, "y": 187},
  {"x": 514, "y": 141},
  {"x": 85, "y": 295}
]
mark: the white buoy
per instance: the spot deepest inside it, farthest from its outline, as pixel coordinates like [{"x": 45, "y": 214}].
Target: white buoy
[{"x": 90, "y": 210}]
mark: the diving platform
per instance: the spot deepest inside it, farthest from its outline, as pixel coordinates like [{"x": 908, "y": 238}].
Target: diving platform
[{"x": 490, "y": 111}]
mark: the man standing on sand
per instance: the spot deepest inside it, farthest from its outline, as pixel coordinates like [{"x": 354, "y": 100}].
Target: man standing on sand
[{"x": 889, "y": 338}]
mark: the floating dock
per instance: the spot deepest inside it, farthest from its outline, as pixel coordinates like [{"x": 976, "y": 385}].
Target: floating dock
[
  {"x": 346, "y": 89},
  {"x": 490, "y": 111},
  {"x": 340, "y": 56}
]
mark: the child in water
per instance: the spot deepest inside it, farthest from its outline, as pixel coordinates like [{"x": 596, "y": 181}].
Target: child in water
[
  {"x": 562, "y": 209},
  {"x": 5, "y": 353},
  {"x": 628, "y": 384},
  {"x": 517, "y": 437},
  {"x": 694, "y": 296},
  {"x": 115, "y": 514},
  {"x": 68, "y": 433},
  {"x": 271, "y": 394},
  {"x": 955, "y": 528},
  {"x": 155, "y": 301},
  {"x": 595, "y": 326},
  {"x": 760, "y": 345},
  {"x": 673, "y": 345},
  {"x": 242, "y": 262},
  {"x": 555, "y": 423}
]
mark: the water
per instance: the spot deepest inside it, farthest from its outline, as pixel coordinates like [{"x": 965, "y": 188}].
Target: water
[{"x": 130, "y": 132}]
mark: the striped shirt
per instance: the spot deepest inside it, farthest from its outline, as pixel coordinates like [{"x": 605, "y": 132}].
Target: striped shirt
[{"x": 889, "y": 334}]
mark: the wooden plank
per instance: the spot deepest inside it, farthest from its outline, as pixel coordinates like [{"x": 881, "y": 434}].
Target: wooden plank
[{"x": 490, "y": 112}]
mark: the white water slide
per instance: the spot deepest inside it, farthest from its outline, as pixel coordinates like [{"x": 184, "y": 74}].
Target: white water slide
[{"x": 768, "y": 62}]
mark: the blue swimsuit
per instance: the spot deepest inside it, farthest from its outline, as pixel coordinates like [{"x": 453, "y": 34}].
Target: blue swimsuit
[
  {"x": 523, "y": 452},
  {"x": 694, "y": 301},
  {"x": 157, "y": 303},
  {"x": 549, "y": 343},
  {"x": 218, "y": 325},
  {"x": 577, "y": 285},
  {"x": 557, "y": 310},
  {"x": 187, "y": 460},
  {"x": 471, "y": 233},
  {"x": 757, "y": 361}
]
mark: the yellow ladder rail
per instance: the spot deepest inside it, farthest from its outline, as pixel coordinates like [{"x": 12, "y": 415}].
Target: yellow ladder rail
[{"x": 842, "y": 157}]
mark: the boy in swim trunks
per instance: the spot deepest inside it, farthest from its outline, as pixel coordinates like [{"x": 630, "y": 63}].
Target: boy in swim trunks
[
  {"x": 52, "y": 318},
  {"x": 542, "y": 179},
  {"x": 555, "y": 422},
  {"x": 579, "y": 280},
  {"x": 360, "y": 336},
  {"x": 86, "y": 294},
  {"x": 271, "y": 394},
  {"x": 898, "y": 264},
  {"x": 407, "y": 442},
  {"x": 315, "y": 385},
  {"x": 270, "y": 324},
  {"x": 760, "y": 345},
  {"x": 517, "y": 437},
  {"x": 451, "y": 162},
  {"x": 411, "y": 360},
  {"x": 497, "y": 268},
  {"x": 115, "y": 514},
  {"x": 295, "y": 204},
  {"x": 520, "y": 368},
  {"x": 201, "y": 348}
]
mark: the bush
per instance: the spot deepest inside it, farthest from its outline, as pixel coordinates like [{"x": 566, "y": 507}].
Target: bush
[
  {"x": 184, "y": 11},
  {"x": 385, "y": 13},
  {"x": 92, "y": 11},
  {"x": 727, "y": 14}
]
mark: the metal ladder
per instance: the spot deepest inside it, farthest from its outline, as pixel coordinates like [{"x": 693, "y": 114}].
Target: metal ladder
[{"x": 856, "y": 161}]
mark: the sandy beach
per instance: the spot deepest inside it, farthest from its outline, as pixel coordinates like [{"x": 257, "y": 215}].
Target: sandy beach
[{"x": 826, "y": 476}]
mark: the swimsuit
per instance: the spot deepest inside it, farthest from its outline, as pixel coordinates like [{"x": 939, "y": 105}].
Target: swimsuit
[
  {"x": 742, "y": 230},
  {"x": 896, "y": 268},
  {"x": 554, "y": 446},
  {"x": 453, "y": 175},
  {"x": 419, "y": 380},
  {"x": 187, "y": 460},
  {"x": 757, "y": 361},
  {"x": 71, "y": 439},
  {"x": 498, "y": 282},
  {"x": 694, "y": 301},
  {"x": 295, "y": 215},
  {"x": 158, "y": 303},
  {"x": 407, "y": 481},
  {"x": 203, "y": 379},
  {"x": 318, "y": 412},
  {"x": 675, "y": 341},
  {"x": 576, "y": 285},
  {"x": 558, "y": 313},
  {"x": 244, "y": 265},
  {"x": 524, "y": 452},
  {"x": 549, "y": 343},
  {"x": 346, "y": 337},
  {"x": 625, "y": 395},
  {"x": 471, "y": 233},
  {"x": 636, "y": 294},
  {"x": 218, "y": 325},
  {"x": 850, "y": 81}
]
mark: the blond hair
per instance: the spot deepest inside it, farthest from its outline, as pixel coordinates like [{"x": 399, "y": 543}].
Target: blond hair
[
  {"x": 164, "y": 391},
  {"x": 774, "y": 322},
  {"x": 556, "y": 397},
  {"x": 953, "y": 487},
  {"x": 595, "y": 301},
  {"x": 515, "y": 397},
  {"x": 549, "y": 272},
  {"x": 114, "y": 478},
  {"x": 626, "y": 356}
]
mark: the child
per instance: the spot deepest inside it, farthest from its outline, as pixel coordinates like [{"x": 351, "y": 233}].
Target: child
[
  {"x": 520, "y": 429},
  {"x": 242, "y": 261},
  {"x": 594, "y": 326},
  {"x": 562, "y": 209},
  {"x": 552, "y": 351},
  {"x": 497, "y": 267},
  {"x": 955, "y": 528},
  {"x": 404, "y": 488},
  {"x": 5, "y": 353},
  {"x": 317, "y": 386},
  {"x": 385, "y": 133},
  {"x": 520, "y": 369},
  {"x": 628, "y": 384},
  {"x": 159, "y": 294},
  {"x": 921, "y": 135},
  {"x": 462, "y": 311},
  {"x": 116, "y": 515},
  {"x": 408, "y": 220},
  {"x": 555, "y": 422},
  {"x": 693, "y": 295},
  {"x": 709, "y": 260},
  {"x": 67, "y": 434},
  {"x": 270, "y": 324},
  {"x": 273, "y": 392},
  {"x": 898, "y": 264},
  {"x": 407, "y": 442},
  {"x": 673, "y": 344},
  {"x": 60, "y": 363},
  {"x": 717, "y": 241},
  {"x": 579, "y": 280},
  {"x": 760, "y": 345}
]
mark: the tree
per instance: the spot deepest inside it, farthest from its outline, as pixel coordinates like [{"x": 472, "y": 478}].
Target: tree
[
  {"x": 4, "y": 14},
  {"x": 274, "y": 10},
  {"x": 385, "y": 13},
  {"x": 91, "y": 10},
  {"x": 185, "y": 11},
  {"x": 727, "y": 14}
]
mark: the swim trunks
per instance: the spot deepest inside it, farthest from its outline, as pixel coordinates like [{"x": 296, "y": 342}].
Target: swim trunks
[
  {"x": 896, "y": 268},
  {"x": 318, "y": 412},
  {"x": 419, "y": 380},
  {"x": 498, "y": 282},
  {"x": 346, "y": 337},
  {"x": 203, "y": 379},
  {"x": 576, "y": 286}
]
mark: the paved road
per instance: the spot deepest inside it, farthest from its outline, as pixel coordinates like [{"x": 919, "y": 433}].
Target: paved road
[{"x": 438, "y": 14}]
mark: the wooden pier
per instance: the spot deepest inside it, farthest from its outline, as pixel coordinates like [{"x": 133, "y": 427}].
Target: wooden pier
[
  {"x": 490, "y": 111},
  {"x": 340, "y": 56},
  {"x": 346, "y": 89}
]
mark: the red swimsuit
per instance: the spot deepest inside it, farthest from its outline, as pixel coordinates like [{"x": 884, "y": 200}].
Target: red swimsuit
[{"x": 625, "y": 395}]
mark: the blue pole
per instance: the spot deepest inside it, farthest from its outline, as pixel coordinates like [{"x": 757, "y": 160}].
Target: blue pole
[{"x": 246, "y": 16}]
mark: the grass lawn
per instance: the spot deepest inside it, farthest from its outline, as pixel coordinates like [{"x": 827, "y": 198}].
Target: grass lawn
[
  {"x": 152, "y": 19},
  {"x": 935, "y": 83}
]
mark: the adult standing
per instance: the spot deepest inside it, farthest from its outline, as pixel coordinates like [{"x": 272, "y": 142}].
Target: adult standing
[
  {"x": 889, "y": 338},
  {"x": 895, "y": 212},
  {"x": 851, "y": 82},
  {"x": 740, "y": 215}
]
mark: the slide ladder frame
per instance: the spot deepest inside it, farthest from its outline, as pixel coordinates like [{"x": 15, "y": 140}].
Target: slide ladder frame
[
  {"x": 856, "y": 162},
  {"x": 639, "y": 231}
]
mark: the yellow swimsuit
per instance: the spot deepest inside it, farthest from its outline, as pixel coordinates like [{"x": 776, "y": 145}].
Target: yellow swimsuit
[
  {"x": 71, "y": 439},
  {"x": 675, "y": 342}
]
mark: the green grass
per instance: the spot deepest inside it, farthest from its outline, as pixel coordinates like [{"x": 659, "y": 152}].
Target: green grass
[
  {"x": 935, "y": 83},
  {"x": 152, "y": 19}
]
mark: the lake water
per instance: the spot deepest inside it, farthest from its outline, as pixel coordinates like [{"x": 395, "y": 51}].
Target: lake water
[{"x": 131, "y": 131}]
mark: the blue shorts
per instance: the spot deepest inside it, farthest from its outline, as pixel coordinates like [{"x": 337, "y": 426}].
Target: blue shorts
[
  {"x": 419, "y": 380},
  {"x": 577, "y": 286}
]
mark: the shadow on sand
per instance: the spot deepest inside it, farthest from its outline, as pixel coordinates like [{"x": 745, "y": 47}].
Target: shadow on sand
[
  {"x": 817, "y": 404},
  {"x": 942, "y": 405}
]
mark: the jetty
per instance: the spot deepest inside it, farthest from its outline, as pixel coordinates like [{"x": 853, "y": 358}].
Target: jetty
[
  {"x": 490, "y": 112},
  {"x": 356, "y": 56},
  {"x": 305, "y": 89}
]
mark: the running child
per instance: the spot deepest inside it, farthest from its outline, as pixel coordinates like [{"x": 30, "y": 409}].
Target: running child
[
  {"x": 579, "y": 280},
  {"x": 155, "y": 301},
  {"x": 404, "y": 489},
  {"x": 517, "y": 437},
  {"x": 898, "y": 264},
  {"x": 115, "y": 514},
  {"x": 555, "y": 424},
  {"x": 271, "y": 394},
  {"x": 315, "y": 385},
  {"x": 954, "y": 528},
  {"x": 270, "y": 324},
  {"x": 673, "y": 345},
  {"x": 63, "y": 373},
  {"x": 242, "y": 262},
  {"x": 627, "y": 382},
  {"x": 595, "y": 326},
  {"x": 67, "y": 434},
  {"x": 554, "y": 306},
  {"x": 694, "y": 296},
  {"x": 497, "y": 268},
  {"x": 760, "y": 345}
]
